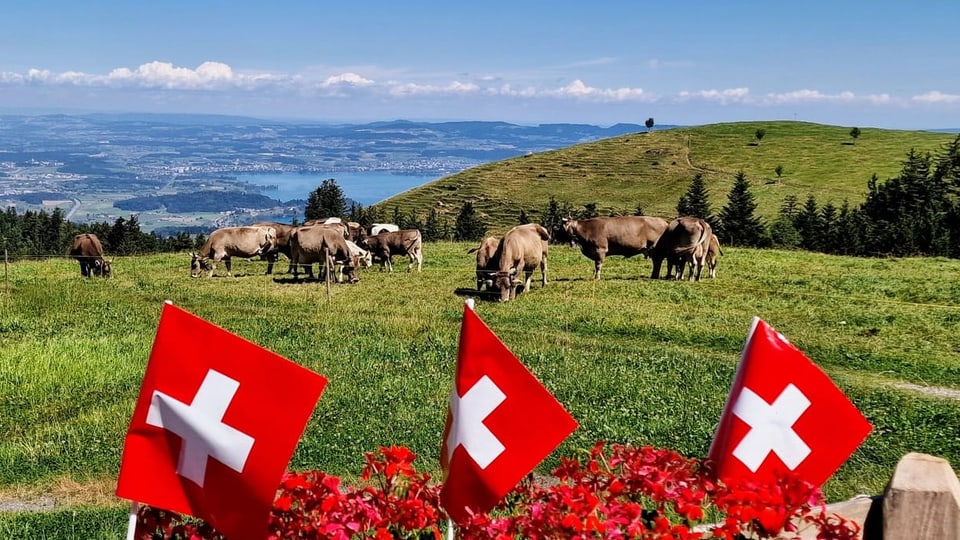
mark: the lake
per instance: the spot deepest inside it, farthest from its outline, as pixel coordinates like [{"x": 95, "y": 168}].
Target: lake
[{"x": 364, "y": 187}]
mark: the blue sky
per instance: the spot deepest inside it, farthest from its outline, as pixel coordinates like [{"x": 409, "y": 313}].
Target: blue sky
[{"x": 866, "y": 64}]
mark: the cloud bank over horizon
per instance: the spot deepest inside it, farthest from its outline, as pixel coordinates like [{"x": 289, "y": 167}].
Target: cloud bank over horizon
[{"x": 163, "y": 85}]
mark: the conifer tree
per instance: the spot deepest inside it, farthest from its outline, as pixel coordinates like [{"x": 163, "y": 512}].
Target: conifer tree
[
  {"x": 695, "y": 202},
  {"x": 808, "y": 224},
  {"x": 736, "y": 224},
  {"x": 468, "y": 226},
  {"x": 552, "y": 219},
  {"x": 326, "y": 201}
]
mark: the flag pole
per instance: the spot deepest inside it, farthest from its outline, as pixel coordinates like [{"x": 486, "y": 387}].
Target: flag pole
[
  {"x": 132, "y": 520},
  {"x": 450, "y": 529}
]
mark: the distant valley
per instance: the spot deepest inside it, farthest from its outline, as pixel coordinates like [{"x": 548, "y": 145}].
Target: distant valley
[{"x": 169, "y": 169}]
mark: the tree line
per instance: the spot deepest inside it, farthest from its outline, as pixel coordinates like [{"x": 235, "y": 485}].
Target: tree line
[{"x": 915, "y": 213}]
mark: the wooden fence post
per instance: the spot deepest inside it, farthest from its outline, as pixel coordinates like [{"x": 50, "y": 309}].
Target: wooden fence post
[{"x": 6, "y": 276}]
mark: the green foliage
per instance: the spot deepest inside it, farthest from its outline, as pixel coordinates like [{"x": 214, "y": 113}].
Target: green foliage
[
  {"x": 736, "y": 224},
  {"x": 908, "y": 214},
  {"x": 649, "y": 124},
  {"x": 469, "y": 227},
  {"x": 696, "y": 201},
  {"x": 759, "y": 134},
  {"x": 326, "y": 201},
  {"x": 855, "y": 133}
]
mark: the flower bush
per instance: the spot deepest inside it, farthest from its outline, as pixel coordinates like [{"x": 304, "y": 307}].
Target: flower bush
[{"x": 613, "y": 492}]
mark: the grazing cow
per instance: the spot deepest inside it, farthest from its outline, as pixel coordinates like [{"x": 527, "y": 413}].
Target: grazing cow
[
  {"x": 88, "y": 251},
  {"x": 622, "y": 235},
  {"x": 355, "y": 232},
  {"x": 385, "y": 245},
  {"x": 487, "y": 262},
  {"x": 713, "y": 255},
  {"x": 686, "y": 240},
  {"x": 245, "y": 242},
  {"x": 366, "y": 259},
  {"x": 324, "y": 245},
  {"x": 378, "y": 228},
  {"x": 282, "y": 244},
  {"x": 522, "y": 249}
]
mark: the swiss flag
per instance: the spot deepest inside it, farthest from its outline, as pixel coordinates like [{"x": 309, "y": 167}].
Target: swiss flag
[
  {"x": 502, "y": 422},
  {"x": 784, "y": 414},
  {"x": 216, "y": 422}
]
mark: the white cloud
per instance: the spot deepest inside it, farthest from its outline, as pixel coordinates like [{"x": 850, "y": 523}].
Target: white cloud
[
  {"x": 348, "y": 79},
  {"x": 577, "y": 89},
  {"x": 415, "y": 89},
  {"x": 936, "y": 96},
  {"x": 724, "y": 97}
]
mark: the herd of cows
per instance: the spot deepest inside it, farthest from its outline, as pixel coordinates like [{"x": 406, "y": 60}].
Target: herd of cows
[{"x": 345, "y": 247}]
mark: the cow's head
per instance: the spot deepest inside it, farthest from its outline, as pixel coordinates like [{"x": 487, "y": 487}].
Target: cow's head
[
  {"x": 351, "y": 269},
  {"x": 106, "y": 268},
  {"x": 567, "y": 232},
  {"x": 198, "y": 264},
  {"x": 507, "y": 283}
]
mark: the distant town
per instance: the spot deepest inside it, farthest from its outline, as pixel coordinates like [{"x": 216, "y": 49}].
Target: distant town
[{"x": 88, "y": 165}]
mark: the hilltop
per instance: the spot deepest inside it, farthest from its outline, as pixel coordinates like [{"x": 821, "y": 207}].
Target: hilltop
[{"x": 652, "y": 170}]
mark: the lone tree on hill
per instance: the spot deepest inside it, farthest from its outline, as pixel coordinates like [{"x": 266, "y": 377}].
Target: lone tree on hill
[
  {"x": 759, "y": 135},
  {"x": 779, "y": 172},
  {"x": 649, "y": 124},
  {"x": 326, "y": 201},
  {"x": 855, "y": 134},
  {"x": 695, "y": 202},
  {"x": 737, "y": 225}
]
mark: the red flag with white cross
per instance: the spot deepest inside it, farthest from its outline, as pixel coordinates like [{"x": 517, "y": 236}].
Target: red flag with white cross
[
  {"x": 501, "y": 424},
  {"x": 215, "y": 425},
  {"x": 784, "y": 414}
]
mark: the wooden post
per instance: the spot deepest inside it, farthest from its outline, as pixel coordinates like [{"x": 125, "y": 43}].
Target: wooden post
[
  {"x": 6, "y": 276},
  {"x": 327, "y": 268}
]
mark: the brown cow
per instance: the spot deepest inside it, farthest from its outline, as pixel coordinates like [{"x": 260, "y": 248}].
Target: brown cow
[
  {"x": 282, "y": 244},
  {"x": 245, "y": 242},
  {"x": 522, "y": 248},
  {"x": 622, "y": 235},
  {"x": 88, "y": 251},
  {"x": 713, "y": 255},
  {"x": 385, "y": 245},
  {"x": 487, "y": 261},
  {"x": 686, "y": 240},
  {"x": 324, "y": 245}
]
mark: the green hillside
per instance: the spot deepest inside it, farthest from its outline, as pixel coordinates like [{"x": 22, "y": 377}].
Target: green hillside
[{"x": 652, "y": 170}]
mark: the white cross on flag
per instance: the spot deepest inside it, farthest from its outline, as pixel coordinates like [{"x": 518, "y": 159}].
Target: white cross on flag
[
  {"x": 502, "y": 423},
  {"x": 214, "y": 427},
  {"x": 784, "y": 414}
]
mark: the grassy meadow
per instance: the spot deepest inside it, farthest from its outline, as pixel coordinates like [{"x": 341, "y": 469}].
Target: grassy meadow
[
  {"x": 653, "y": 170},
  {"x": 634, "y": 360}
]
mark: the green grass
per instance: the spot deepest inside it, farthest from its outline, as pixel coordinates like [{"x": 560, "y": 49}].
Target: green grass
[
  {"x": 634, "y": 360},
  {"x": 654, "y": 170}
]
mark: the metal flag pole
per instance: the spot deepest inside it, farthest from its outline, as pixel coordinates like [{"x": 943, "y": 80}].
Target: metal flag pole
[{"x": 132, "y": 520}]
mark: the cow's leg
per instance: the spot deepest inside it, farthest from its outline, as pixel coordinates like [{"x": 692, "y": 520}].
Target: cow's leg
[
  {"x": 527, "y": 281},
  {"x": 226, "y": 263},
  {"x": 389, "y": 259},
  {"x": 543, "y": 272},
  {"x": 419, "y": 261},
  {"x": 657, "y": 262}
]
